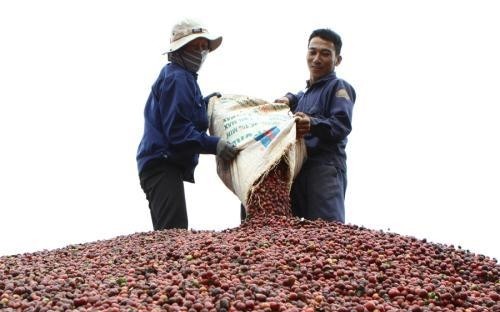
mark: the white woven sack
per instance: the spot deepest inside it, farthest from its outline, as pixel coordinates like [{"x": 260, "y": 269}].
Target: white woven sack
[{"x": 263, "y": 131}]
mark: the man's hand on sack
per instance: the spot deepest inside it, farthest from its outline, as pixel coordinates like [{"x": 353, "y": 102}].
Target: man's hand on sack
[
  {"x": 226, "y": 150},
  {"x": 208, "y": 97},
  {"x": 283, "y": 100},
  {"x": 302, "y": 124}
]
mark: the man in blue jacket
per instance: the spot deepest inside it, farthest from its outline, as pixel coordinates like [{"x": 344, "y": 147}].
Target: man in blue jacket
[
  {"x": 323, "y": 118},
  {"x": 175, "y": 127}
]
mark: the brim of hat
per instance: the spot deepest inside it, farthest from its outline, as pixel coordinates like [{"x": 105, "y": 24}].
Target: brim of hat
[{"x": 213, "y": 42}]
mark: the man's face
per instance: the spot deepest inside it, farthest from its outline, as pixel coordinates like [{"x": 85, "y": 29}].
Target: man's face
[
  {"x": 197, "y": 45},
  {"x": 321, "y": 58}
]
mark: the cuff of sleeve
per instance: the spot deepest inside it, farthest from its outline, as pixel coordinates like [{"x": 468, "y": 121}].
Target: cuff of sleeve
[
  {"x": 314, "y": 122},
  {"x": 212, "y": 144},
  {"x": 292, "y": 99}
]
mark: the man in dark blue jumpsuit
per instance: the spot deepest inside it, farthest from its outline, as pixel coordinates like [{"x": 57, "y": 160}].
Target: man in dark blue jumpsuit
[
  {"x": 323, "y": 117},
  {"x": 175, "y": 125}
]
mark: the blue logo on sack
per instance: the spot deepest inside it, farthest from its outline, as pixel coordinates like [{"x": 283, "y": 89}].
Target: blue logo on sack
[{"x": 266, "y": 137}]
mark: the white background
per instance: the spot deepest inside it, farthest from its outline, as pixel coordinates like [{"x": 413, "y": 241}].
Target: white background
[{"x": 423, "y": 157}]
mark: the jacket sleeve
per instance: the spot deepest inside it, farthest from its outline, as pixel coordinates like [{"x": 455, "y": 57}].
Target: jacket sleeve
[
  {"x": 178, "y": 107},
  {"x": 335, "y": 124},
  {"x": 294, "y": 99}
]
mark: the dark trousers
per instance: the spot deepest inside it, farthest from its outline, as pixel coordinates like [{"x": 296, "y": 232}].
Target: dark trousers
[
  {"x": 243, "y": 213},
  {"x": 318, "y": 192},
  {"x": 164, "y": 188}
]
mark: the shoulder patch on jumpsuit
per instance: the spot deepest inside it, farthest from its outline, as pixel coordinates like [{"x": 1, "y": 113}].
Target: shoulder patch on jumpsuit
[{"x": 342, "y": 93}]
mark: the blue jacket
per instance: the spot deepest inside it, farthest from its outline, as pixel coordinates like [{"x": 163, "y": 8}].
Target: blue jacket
[
  {"x": 175, "y": 122},
  {"x": 329, "y": 103}
]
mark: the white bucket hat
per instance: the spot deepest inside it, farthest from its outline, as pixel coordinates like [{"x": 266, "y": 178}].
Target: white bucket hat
[{"x": 188, "y": 30}]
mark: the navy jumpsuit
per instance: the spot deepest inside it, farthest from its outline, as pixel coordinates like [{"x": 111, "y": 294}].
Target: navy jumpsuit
[
  {"x": 175, "y": 125},
  {"x": 318, "y": 192}
]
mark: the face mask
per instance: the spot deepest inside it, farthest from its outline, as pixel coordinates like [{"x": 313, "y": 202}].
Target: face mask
[{"x": 191, "y": 60}]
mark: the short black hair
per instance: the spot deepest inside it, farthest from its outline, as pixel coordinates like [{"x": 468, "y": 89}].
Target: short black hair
[{"x": 329, "y": 35}]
